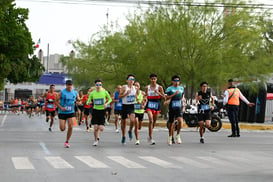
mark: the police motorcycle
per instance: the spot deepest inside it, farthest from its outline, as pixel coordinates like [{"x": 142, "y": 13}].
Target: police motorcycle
[{"x": 191, "y": 119}]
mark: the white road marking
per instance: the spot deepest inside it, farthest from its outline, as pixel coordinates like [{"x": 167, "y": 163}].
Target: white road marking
[
  {"x": 213, "y": 160},
  {"x": 58, "y": 162},
  {"x": 3, "y": 121},
  {"x": 91, "y": 162},
  {"x": 191, "y": 162},
  {"x": 159, "y": 162},
  {"x": 45, "y": 148},
  {"x": 22, "y": 163},
  {"x": 125, "y": 162}
]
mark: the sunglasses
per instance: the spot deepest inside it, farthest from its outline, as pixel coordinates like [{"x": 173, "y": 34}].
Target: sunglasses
[
  {"x": 132, "y": 79},
  {"x": 176, "y": 80},
  {"x": 98, "y": 84}
]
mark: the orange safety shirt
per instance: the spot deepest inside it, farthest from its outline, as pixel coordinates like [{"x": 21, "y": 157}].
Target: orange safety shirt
[{"x": 235, "y": 98}]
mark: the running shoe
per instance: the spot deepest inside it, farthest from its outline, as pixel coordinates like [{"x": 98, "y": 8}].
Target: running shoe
[
  {"x": 152, "y": 142},
  {"x": 87, "y": 129},
  {"x": 66, "y": 145},
  {"x": 123, "y": 139},
  {"x": 49, "y": 129},
  {"x": 178, "y": 139},
  {"x": 202, "y": 140},
  {"x": 90, "y": 128},
  {"x": 170, "y": 140},
  {"x": 117, "y": 131},
  {"x": 130, "y": 135},
  {"x": 173, "y": 142},
  {"x": 96, "y": 143},
  {"x": 137, "y": 142}
]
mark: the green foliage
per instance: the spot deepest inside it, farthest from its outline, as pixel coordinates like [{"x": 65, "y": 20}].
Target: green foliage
[
  {"x": 16, "y": 46},
  {"x": 197, "y": 42}
]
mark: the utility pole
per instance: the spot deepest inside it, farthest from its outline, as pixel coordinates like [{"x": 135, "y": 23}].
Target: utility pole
[
  {"x": 107, "y": 17},
  {"x": 47, "y": 57}
]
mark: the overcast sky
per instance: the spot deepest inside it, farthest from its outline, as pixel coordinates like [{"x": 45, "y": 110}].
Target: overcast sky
[{"x": 57, "y": 23}]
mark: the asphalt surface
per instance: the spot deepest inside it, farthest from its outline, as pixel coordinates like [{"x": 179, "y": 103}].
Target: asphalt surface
[{"x": 29, "y": 152}]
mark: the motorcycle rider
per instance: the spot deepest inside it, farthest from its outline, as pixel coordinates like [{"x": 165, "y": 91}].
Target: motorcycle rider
[{"x": 203, "y": 98}]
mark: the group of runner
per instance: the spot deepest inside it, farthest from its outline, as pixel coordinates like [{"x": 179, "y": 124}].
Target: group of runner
[
  {"x": 18, "y": 106},
  {"x": 129, "y": 102}
]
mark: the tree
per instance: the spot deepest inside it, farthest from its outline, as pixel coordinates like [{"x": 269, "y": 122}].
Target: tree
[
  {"x": 197, "y": 42},
  {"x": 16, "y": 46}
]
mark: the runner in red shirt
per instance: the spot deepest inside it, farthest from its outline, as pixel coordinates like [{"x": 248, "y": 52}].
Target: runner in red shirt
[
  {"x": 86, "y": 110},
  {"x": 50, "y": 105}
]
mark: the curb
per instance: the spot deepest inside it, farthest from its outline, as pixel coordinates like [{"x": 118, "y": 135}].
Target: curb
[{"x": 225, "y": 125}]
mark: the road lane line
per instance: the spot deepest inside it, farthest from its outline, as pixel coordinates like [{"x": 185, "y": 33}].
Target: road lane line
[
  {"x": 22, "y": 163},
  {"x": 159, "y": 162},
  {"x": 213, "y": 160},
  {"x": 43, "y": 145},
  {"x": 3, "y": 121},
  {"x": 91, "y": 162},
  {"x": 58, "y": 162},
  {"x": 190, "y": 162},
  {"x": 125, "y": 162}
]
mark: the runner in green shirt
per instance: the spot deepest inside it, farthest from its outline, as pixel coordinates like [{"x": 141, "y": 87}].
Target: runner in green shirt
[
  {"x": 139, "y": 110},
  {"x": 98, "y": 97}
]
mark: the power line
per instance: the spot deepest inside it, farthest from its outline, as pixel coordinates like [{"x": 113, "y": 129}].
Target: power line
[{"x": 150, "y": 2}]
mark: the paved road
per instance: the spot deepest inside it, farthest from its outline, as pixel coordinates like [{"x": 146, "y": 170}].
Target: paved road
[{"x": 29, "y": 152}]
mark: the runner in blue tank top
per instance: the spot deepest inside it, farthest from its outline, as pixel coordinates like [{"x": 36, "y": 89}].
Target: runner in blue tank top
[
  {"x": 66, "y": 103},
  {"x": 175, "y": 94},
  {"x": 118, "y": 106}
]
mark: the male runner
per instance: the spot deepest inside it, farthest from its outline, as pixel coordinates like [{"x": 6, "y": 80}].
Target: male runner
[
  {"x": 118, "y": 106},
  {"x": 176, "y": 95},
  {"x": 128, "y": 95},
  {"x": 154, "y": 93},
  {"x": 99, "y": 97},
  {"x": 203, "y": 98},
  {"x": 50, "y": 105},
  {"x": 86, "y": 110},
  {"x": 66, "y": 103}
]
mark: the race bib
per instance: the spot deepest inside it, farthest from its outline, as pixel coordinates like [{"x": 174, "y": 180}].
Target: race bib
[
  {"x": 137, "y": 106},
  {"x": 98, "y": 101},
  {"x": 152, "y": 105},
  {"x": 50, "y": 106},
  {"x": 176, "y": 104},
  {"x": 119, "y": 104},
  {"x": 130, "y": 98},
  {"x": 205, "y": 107},
  {"x": 69, "y": 108}
]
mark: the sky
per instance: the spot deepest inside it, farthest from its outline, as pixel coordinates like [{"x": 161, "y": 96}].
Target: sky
[
  {"x": 58, "y": 23},
  {"x": 55, "y": 24}
]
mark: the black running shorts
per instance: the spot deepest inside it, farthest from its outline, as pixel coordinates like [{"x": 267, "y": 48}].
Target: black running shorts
[
  {"x": 66, "y": 116},
  {"x": 98, "y": 117},
  {"x": 127, "y": 109}
]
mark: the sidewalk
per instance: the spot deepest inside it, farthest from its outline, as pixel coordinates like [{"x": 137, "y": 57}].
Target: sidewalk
[{"x": 226, "y": 125}]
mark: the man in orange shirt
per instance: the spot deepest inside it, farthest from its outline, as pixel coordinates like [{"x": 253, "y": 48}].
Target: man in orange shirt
[{"x": 232, "y": 100}]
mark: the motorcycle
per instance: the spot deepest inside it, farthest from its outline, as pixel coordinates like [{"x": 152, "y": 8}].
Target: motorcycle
[{"x": 190, "y": 117}]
